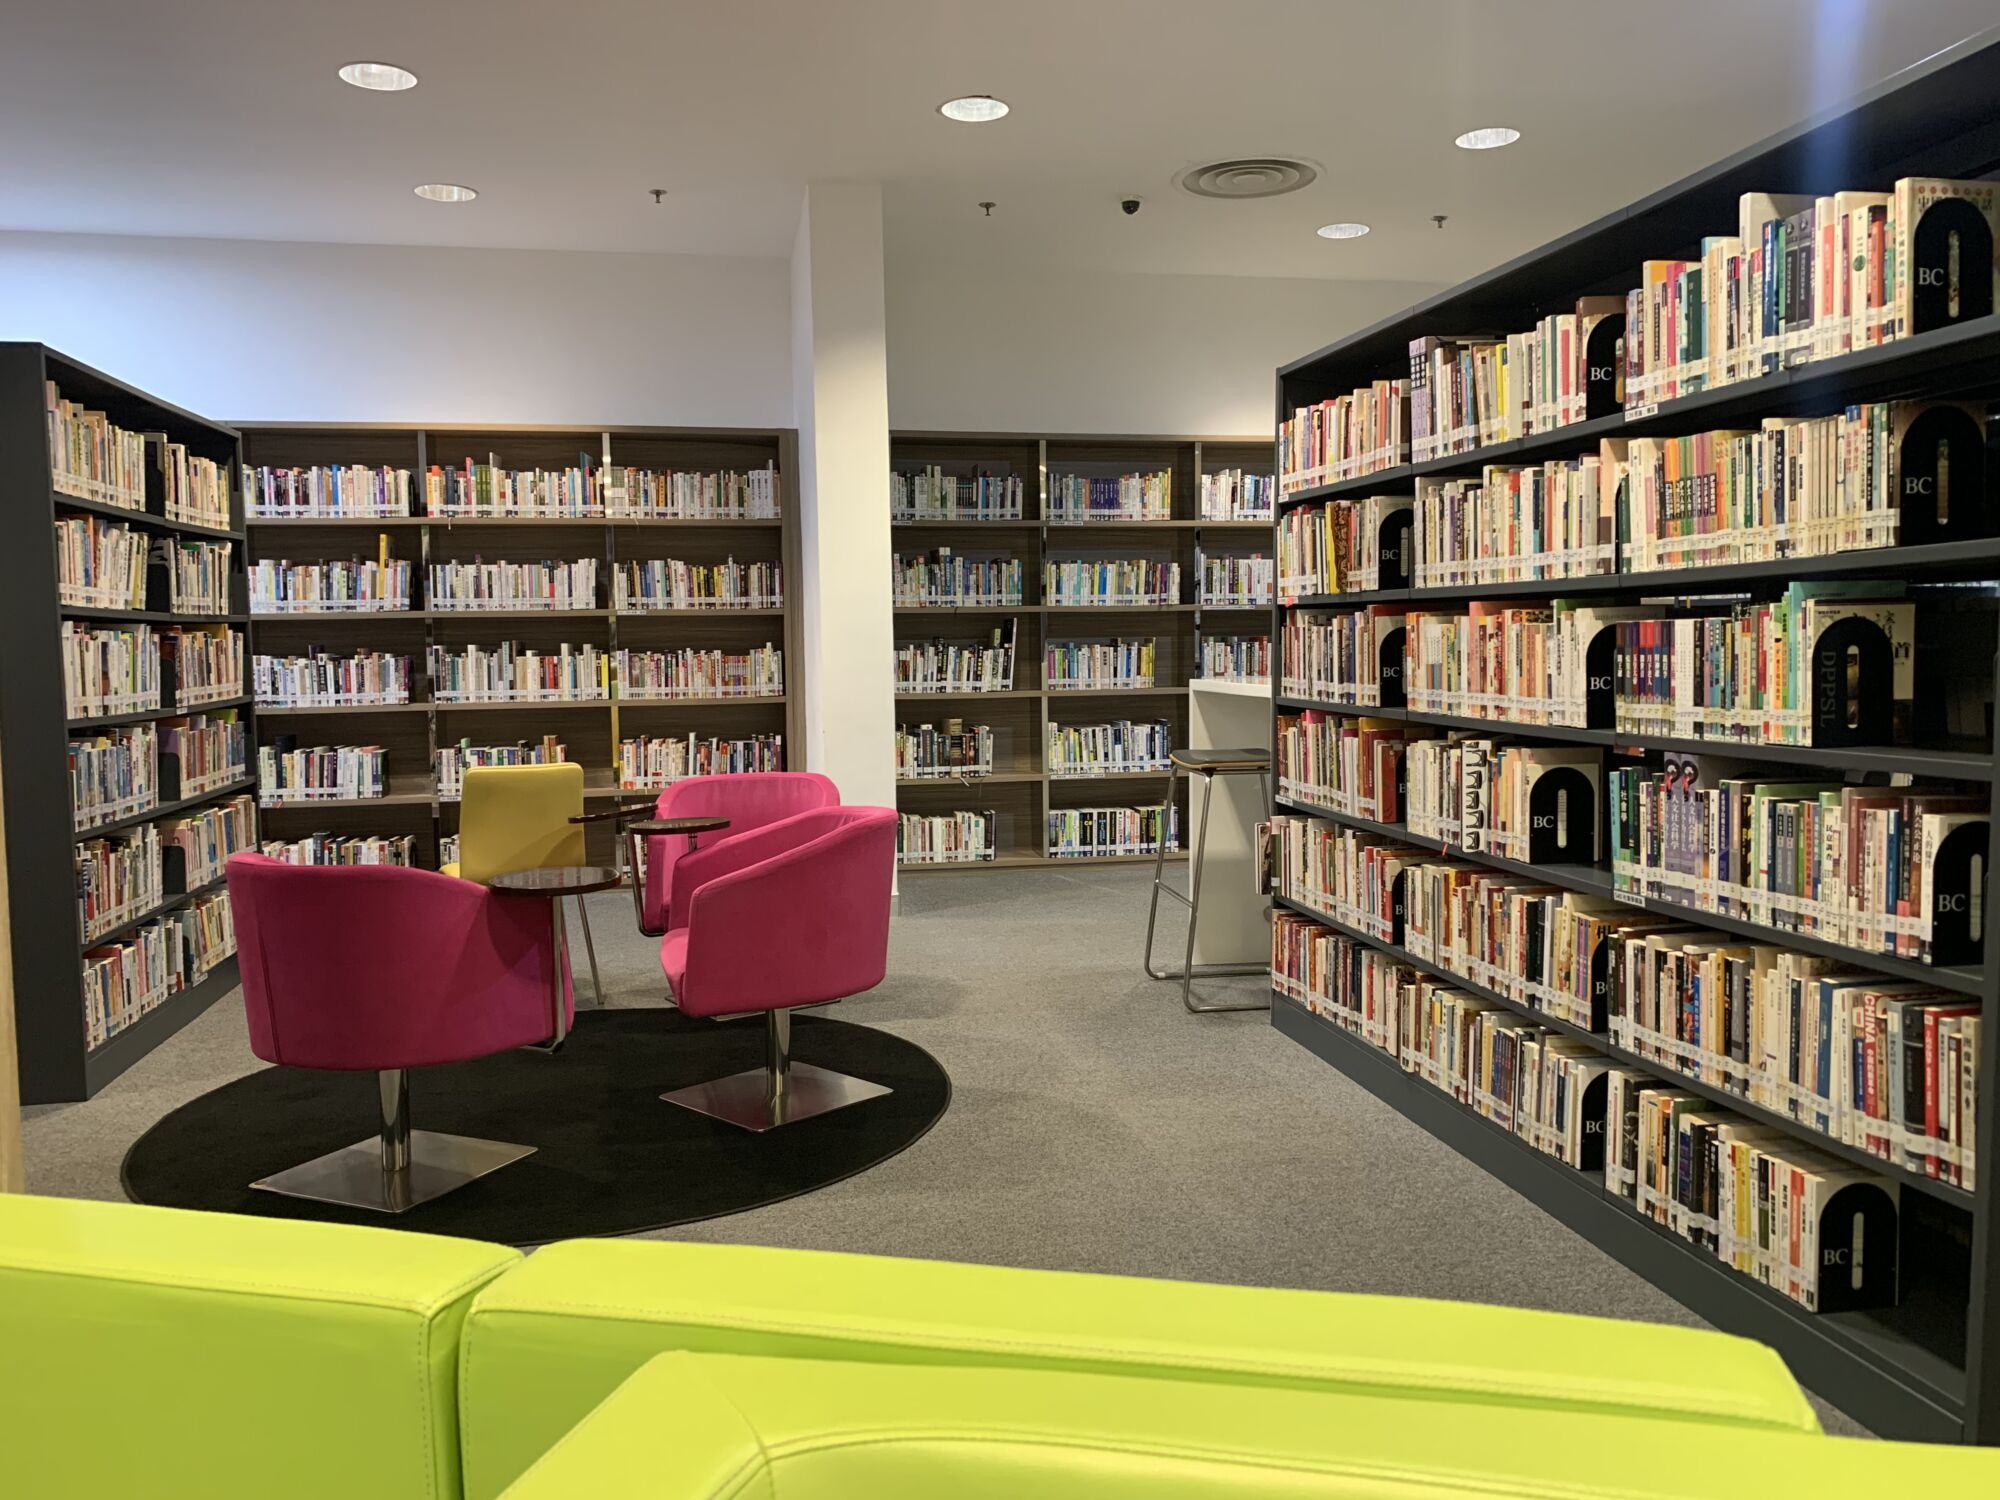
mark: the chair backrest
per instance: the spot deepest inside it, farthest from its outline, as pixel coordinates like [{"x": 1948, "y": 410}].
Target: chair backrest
[
  {"x": 518, "y": 818},
  {"x": 749, "y": 799},
  {"x": 796, "y": 913},
  {"x": 377, "y": 966}
]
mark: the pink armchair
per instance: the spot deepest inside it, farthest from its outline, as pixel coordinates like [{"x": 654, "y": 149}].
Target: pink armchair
[
  {"x": 793, "y": 913},
  {"x": 382, "y": 969},
  {"x": 749, "y": 799}
]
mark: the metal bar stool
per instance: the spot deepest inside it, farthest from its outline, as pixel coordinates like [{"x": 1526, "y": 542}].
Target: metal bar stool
[{"x": 1207, "y": 764}]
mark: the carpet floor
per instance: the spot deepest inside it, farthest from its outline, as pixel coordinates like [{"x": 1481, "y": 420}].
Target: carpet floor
[{"x": 1094, "y": 1125}]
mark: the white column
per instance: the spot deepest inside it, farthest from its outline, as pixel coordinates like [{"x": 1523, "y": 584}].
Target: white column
[{"x": 840, "y": 389}]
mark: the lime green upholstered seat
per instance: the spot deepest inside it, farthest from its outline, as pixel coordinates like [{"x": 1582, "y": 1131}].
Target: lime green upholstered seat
[
  {"x": 550, "y": 1340},
  {"x": 720, "y": 1427},
  {"x": 151, "y": 1352}
]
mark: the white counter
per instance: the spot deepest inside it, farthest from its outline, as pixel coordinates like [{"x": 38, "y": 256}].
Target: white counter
[{"x": 1234, "y": 922}]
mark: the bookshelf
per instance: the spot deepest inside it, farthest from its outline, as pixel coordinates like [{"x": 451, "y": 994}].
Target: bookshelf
[
  {"x": 590, "y": 730},
  {"x": 174, "y": 918},
  {"x": 1924, "y": 1364},
  {"x": 1022, "y": 788}
]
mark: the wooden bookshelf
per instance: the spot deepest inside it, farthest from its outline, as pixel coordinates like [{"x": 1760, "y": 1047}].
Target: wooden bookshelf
[
  {"x": 590, "y": 729},
  {"x": 1022, "y": 790},
  {"x": 56, "y": 1062},
  {"x": 1929, "y": 1366}
]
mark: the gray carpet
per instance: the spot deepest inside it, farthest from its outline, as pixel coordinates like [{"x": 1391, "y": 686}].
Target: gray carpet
[{"x": 1094, "y": 1125}]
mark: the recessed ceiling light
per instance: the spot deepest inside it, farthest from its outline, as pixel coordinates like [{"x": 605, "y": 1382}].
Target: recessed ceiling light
[
  {"x": 974, "y": 109},
  {"x": 1489, "y": 138},
  {"x": 1342, "y": 231},
  {"x": 386, "y": 78},
  {"x": 446, "y": 192}
]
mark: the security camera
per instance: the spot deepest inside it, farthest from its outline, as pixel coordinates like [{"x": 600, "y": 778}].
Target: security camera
[{"x": 1130, "y": 205}]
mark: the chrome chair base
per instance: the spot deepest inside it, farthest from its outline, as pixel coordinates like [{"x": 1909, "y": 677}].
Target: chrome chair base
[
  {"x": 355, "y": 1177},
  {"x": 748, "y": 1099}
]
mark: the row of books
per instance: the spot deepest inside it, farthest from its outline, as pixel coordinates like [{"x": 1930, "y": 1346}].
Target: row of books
[
  {"x": 1336, "y": 655},
  {"x": 687, "y": 673},
  {"x": 1070, "y": 666},
  {"x": 668, "y": 583},
  {"x": 1236, "y": 658},
  {"x": 327, "y": 492},
  {"x": 1468, "y": 393},
  {"x": 125, "y": 980},
  {"x": 510, "y": 673},
  {"x": 647, "y": 763},
  {"x": 1126, "y": 581},
  {"x": 1237, "y": 495},
  {"x": 1804, "y": 278},
  {"x": 946, "y": 838},
  {"x": 951, "y": 667},
  {"x": 206, "y": 661},
  {"x": 1127, "y": 497},
  {"x": 488, "y": 490},
  {"x": 109, "y": 669},
  {"x": 100, "y": 564},
  {"x": 925, "y": 751},
  {"x": 1343, "y": 764},
  {"x": 1328, "y": 442},
  {"x": 1744, "y": 673},
  {"x": 1800, "y": 1221},
  {"x": 91, "y": 457},
  {"x": 207, "y": 837},
  {"x": 1875, "y": 1064},
  {"x": 478, "y": 585},
  {"x": 212, "y": 750},
  {"x": 289, "y": 772},
  {"x": 1117, "y": 748},
  {"x": 117, "y": 879},
  {"x": 1107, "y": 832},
  {"x": 1895, "y": 870},
  {"x": 321, "y": 679},
  {"x": 198, "y": 577},
  {"x": 1334, "y": 547},
  {"x": 453, "y": 761},
  {"x": 197, "y": 488},
  {"x": 943, "y": 577},
  {"x": 278, "y": 586},
  {"x": 1234, "y": 581},
  {"x": 1887, "y": 1067},
  {"x": 114, "y": 775},
  {"x": 1482, "y": 796},
  {"x": 344, "y": 849},
  {"x": 1550, "y": 520},
  {"x": 930, "y": 494}
]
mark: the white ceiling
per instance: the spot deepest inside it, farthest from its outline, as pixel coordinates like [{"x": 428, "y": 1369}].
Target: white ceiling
[{"x": 224, "y": 118}]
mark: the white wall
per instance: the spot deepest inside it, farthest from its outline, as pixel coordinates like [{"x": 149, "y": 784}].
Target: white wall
[
  {"x": 1045, "y": 351},
  {"x": 260, "y": 330}
]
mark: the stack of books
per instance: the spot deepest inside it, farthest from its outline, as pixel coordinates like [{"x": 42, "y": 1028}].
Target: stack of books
[
  {"x": 647, "y": 763},
  {"x": 337, "y": 492},
  {"x": 930, "y": 494},
  {"x": 198, "y": 577},
  {"x": 948, "y": 667},
  {"x": 669, "y": 584},
  {"x": 1128, "y": 497},
  {"x": 1124, "y": 581},
  {"x": 453, "y": 761},
  {"x": 689, "y": 673},
  {"x": 945, "y": 838},
  {"x": 323, "y": 680},
  {"x": 114, "y": 775},
  {"x": 109, "y": 670},
  {"x": 509, "y": 673},
  {"x": 92, "y": 458},
  {"x": 320, "y": 773},
  {"x": 100, "y": 564},
  {"x": 1094, "y": 666},
  {"x": 474, "y": 586},
  {"x": 927, "y": 580},
  {"x": 279, "y": 587},
  {"x": 345, "y": 849}
]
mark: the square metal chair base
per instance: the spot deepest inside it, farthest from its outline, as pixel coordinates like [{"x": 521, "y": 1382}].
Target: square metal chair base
[
  {"x": 745, "y": 1098},
  {"x": 353, "y": 1175}
]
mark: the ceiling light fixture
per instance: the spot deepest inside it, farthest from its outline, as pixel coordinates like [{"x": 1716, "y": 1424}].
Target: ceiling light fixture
[
  {"x": 1342, "y": 231},
  {"x": 446, "y": 192},
  {"x": 384, "y": 78},
  {"x": 973, "y": 109},
  {"x": 1488, "y": 138}
]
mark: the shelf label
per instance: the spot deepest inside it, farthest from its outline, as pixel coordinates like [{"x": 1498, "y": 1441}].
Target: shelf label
[
  {"x": 1630, "y": 898},
  {"x": 1642, "y": 411}
]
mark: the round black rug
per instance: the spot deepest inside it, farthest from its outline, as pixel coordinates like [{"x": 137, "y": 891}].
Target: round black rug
[{"x": 612, "y": 1157}]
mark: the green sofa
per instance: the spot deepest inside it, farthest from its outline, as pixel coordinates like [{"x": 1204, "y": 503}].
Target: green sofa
[{"x": 152, "y": 1352}]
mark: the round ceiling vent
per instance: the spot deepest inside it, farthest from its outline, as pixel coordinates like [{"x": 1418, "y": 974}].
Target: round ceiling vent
[{"x": 1249, "y": 177}]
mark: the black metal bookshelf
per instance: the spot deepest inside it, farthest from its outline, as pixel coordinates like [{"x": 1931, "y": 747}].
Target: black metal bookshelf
[
  {"x": 1928, "y": 1367},
  {"x": 56, "y": 1062}
]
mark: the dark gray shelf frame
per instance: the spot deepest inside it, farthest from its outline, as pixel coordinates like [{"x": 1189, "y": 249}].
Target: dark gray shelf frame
[
  {"x": 1934, "y": 119},
  {"x": 55, "y": 1064}
]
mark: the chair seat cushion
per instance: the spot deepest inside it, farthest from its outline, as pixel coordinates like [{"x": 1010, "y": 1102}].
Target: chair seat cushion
[{"x": 674, "y": 958}]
